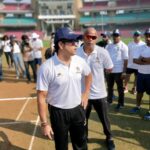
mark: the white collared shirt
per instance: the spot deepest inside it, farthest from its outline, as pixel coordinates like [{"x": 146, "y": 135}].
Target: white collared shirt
[
  {"x": 133, "y": 48},
  {"x": 36, "y": 45},
  {"x": 97, "y": 60},
  {"x": 118, "y": 53},
  {"x": 143, "y": 51},
  {"x": 62, "y": 82}
]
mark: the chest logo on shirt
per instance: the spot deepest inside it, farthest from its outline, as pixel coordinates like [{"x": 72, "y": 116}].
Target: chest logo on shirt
[
  {"x": 59, "y": 74},
  {"x": 97, "y": 60},
  {"x": 78, "y": 70}
]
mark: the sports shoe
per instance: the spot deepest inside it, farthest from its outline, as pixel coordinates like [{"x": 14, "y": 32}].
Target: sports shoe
[
  {"x": 147, "y": 116},
  {"x": 125, "y": 90},
  {"x": 118, "y": 107},
  {"x": 135, "y": 110},
  {"x": 110, "y": 144},
  {"x": 133, "y": 91},
  {"x": 17, "y": 77}
]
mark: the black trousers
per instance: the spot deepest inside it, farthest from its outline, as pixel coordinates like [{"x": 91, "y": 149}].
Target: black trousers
[
  {"x": 9, "y": 58},
  {"x": 32, "y": 64},
  {"x": 111, "y": 79},
  {"x": 72, "y": 121},
  {"x": 101, "y": 107}
]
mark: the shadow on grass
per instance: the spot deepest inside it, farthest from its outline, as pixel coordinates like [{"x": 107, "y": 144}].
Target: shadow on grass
[
  {"x": 131, "y": 128},
  {"x": 5, "y": 144}
]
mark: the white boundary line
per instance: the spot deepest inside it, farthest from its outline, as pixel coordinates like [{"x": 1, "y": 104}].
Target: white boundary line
[
  {"x": 34, "y": 132},
  {"x": 17, "y": 122},
  {"x": 16, "y": 99},
  {"x": 22, "y": 109}
]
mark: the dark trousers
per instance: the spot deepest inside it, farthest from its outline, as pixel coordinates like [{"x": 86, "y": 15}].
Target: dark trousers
[
  {"x": 68, "y": 120},
  {"x": 111, "y": 79},
  {"x": 9, "y": 58},
  {"x": 101, "y": 107},
  {"x": 32, "y": 65}
]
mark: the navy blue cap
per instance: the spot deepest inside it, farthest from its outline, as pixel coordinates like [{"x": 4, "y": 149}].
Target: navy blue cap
[
  {"x": 137, "y": 33},
  {"x": 65, "y": 33},
  {"x": 116, "y": 32},
  {"x": 147, "y": 31}
]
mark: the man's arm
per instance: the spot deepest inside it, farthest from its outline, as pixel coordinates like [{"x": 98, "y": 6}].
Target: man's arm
[
  {"x": 42, "y": 109},
  {"x": 139, "y": 61},
  {"x": 146, "y": 60},
  {"x": 85, "y": 94}
]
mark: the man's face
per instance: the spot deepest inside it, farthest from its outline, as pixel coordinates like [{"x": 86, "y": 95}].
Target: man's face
[
  {"x": 69, "y": 47},
  {"x": 90, "y": 38},
  {"x": 147, "y": 39},
  {"x": 116, "y": 38},
  {"x": 137, "y": 38}
]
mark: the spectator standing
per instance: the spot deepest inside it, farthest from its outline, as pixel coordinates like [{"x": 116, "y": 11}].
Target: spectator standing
[
  {"x": 98, "y": 59},
  {"x": 1, "y": 53},
  {"x": 17, "y": 57},
  {"x": 59, "y": 82},
  {"x": 142, "y": 58},
  {"x": 119, "y": 54},
  {"x": 105, "y": 40},
  {"x": 7, "y": 51},
  {"x": 132, "y": 67},
  {"x": 37, "y": 46},
  {"x": 28, "y": 58}
]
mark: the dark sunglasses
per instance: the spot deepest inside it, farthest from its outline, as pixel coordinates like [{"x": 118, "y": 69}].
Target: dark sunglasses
[
  {"x": 70, "y": 42},
  {"x": 91, "y": 37}
]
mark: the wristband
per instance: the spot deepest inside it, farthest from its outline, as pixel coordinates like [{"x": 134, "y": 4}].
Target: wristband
[{"x": 43, "y": 124}]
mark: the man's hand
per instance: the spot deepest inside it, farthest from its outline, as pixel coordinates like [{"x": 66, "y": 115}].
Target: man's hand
[
  {"x": 123, "y": 76},
  {"x": 84, "y": 101},
  {"x": 47, "y": 131}
]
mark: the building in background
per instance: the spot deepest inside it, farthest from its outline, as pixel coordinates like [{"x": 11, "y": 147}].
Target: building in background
[
  {"x": 17, "y": 15},
  {"x": 57, "y": 13},
  {"x": 110, "y": 14}
]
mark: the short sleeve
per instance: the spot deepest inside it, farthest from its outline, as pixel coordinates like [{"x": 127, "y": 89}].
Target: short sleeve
[
  {"x": 125, "y": 51},
  {"x": 43, "y": 78},
  {"x": 86, "y": 68},
  {"x": 107, "y": 63}
]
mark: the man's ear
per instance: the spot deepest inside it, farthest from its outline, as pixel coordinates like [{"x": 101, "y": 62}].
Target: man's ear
[{"x": 60, "y": 44}]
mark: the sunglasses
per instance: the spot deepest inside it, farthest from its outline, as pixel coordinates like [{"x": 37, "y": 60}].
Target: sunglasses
[
  {"x": 70, "y": 42},
  {"x": 91, "y": 37}
]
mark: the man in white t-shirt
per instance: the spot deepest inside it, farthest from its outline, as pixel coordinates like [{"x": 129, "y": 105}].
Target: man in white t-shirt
[
  {"x": 59, "y": 82},
  {"x": 119, "y": 54},
  {"x": 142, "y": 58},
  {"x": 98, "y": 59},
  {"x": 37, "y": 46},
  {"x": 132, "y": 67}
]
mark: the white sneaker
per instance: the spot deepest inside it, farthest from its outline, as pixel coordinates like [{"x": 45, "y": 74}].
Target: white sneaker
[{"x": 17, "y": 77}]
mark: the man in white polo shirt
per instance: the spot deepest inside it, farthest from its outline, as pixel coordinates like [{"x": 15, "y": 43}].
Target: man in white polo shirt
[
  {"x": 119, "y": 54},
  {"x": 98, "y": 60},
  {"x": 132, "y": 67},
  {"x": 142, "y": 58},
  {"x": 59, "y": 82},
  {"x": 37, "y": 46}
]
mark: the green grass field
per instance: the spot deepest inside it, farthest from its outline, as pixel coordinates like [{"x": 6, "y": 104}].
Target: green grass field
[{"x": 131, "y": 132}]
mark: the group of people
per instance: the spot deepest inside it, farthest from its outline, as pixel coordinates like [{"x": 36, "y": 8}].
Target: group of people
[
  {"x": 22, "y": 54},
  {"x": 72, "y": 81}
]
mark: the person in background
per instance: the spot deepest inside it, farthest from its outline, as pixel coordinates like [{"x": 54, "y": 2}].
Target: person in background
[
  {"x": 119, "y": 54},
  {"x": 59, "y": 83},
  {"x": 7, "y": 51},
  {"x": 132, "y": 67},
  {"x": 17, "y": 57},
  {"x": 28, "y": 57},
  {"x": 50, "y": 51},
  {"x": 105, "y": 40},
  {"x": 98, "y": 59},
  {"x": 142, "y": 58},
  {"x": 1, "y": 53},
  {"x": 37, "y": 47}
]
